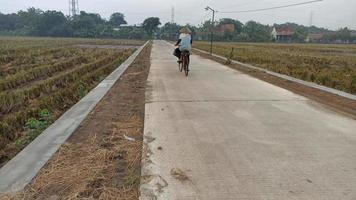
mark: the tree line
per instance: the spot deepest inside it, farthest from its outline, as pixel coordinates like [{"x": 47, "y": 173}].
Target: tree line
[
  {"x": 36, "y": 22},
  {"x": 256, "y": 32}
]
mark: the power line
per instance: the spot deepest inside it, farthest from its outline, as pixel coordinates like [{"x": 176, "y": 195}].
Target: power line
[
  {"x": 271, "y": 8},
  {"x": 201, "y": 19},
  {"x": 245, "y": 4}
]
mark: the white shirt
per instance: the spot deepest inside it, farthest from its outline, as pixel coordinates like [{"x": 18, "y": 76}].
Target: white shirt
[{"x": 185, "y": 44}]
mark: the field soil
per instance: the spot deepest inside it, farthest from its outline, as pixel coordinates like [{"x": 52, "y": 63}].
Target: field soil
[
  {"x": 102, "y": 158},
  {"x": 335, "y": 102}
]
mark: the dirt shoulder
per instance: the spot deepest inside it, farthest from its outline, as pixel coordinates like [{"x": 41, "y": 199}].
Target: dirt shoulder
[
  {"x": 102, "y": 158},
  {"x": 335, "y": 102}
]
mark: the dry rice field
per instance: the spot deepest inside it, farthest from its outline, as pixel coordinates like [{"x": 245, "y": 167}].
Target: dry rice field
[{"x": 41, "y": 78}]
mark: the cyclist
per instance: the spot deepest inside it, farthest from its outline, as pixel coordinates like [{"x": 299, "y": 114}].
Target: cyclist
[{"x": 185, "y": 42}]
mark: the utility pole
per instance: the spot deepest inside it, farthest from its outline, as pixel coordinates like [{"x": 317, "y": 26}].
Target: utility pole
[
  {"x": 73, "y": 7},
  {"x": 212, "y": 28},
  {"x": 311, "y": 19},
  {"x": 310, "y": 25},
  {"x": 172, "y": 34},
  {"x": 172, "y": 15}
]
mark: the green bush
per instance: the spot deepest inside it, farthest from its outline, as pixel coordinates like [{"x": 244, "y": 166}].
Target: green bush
[{"x": 34, "y": 127}]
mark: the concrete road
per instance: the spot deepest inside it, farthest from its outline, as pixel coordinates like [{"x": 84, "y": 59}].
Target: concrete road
[{"x": 221, "y": 134}]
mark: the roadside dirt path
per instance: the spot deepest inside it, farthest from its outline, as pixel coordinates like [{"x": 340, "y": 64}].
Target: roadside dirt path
[{"x": 102, "y": 159}]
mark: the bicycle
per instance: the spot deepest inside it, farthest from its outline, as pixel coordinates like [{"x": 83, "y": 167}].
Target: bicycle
[{"x": 184, "y": 64}]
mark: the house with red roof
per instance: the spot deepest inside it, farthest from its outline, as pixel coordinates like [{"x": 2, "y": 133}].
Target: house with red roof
[
  {"x": 282, "y": 34},
  {"x": 315, "y": 37},
  {"x": 226, "y": 28}
]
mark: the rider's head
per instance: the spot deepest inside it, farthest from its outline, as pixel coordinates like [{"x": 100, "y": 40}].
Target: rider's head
[{"x": 185, "y": 30}]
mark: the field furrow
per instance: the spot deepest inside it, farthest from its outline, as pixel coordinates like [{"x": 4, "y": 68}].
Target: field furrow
[
  {"x": 61, "y": 98},
  {"x": 49, "y": 58},
  {"x": 45, "y": 78},
  {"x": 12, "y": 101},
  {"x": 39, "y": 73}
]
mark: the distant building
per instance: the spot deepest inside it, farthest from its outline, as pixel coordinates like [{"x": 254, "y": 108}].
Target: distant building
[
  {"x": 123, "y": 26},
  {"x": 226, "y": 28},
  {"x": 283, "y": 34},
  {"x": 353, "y": 33},
  {"x": 315, "y": 37}
]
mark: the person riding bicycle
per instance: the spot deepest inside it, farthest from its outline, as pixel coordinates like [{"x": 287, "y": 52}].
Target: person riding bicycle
[{"x": 185, "y": 42}]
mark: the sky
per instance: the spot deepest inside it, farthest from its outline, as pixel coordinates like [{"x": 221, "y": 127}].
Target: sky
[{"x": 332, "y": 14}]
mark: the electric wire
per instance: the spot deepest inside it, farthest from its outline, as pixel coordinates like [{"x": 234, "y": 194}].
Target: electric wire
[{"x": 271, "y": 8}]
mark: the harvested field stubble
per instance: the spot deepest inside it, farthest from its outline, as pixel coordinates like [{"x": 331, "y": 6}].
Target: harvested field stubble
[
  {"x": 98, "y": 161},
  {"x": 51, "y": 75},
  {"x": 329, "y": 65}
]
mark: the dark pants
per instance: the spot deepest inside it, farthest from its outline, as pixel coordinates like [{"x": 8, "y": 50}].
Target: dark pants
[{"x": 177, "y": 53}]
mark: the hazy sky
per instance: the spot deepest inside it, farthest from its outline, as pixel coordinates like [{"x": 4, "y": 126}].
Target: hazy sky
[{"x": 331, "y": 14}]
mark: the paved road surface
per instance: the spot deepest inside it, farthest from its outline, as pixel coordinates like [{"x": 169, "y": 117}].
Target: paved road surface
[{"x": 236, "y": 137}]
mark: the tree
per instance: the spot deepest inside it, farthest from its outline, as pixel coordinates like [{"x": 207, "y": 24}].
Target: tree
[
  {"x": 9, "y": 22},
  {"x": 170, "y": 31},
  {"x": 29, "y": 19},
  {"x": 204, "y": 30},
  {"x": 300, "y": 34},
  {"x": 151, "y": 25},
  {"x": 85, "y": 24},
  {"x": 35, "y": 22},
  {"x": 117, "y": 19},
  {"x": 344, "y": 34},
  {"x": 256, "y": 32},
  {"x": 50, "y": 23}
]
